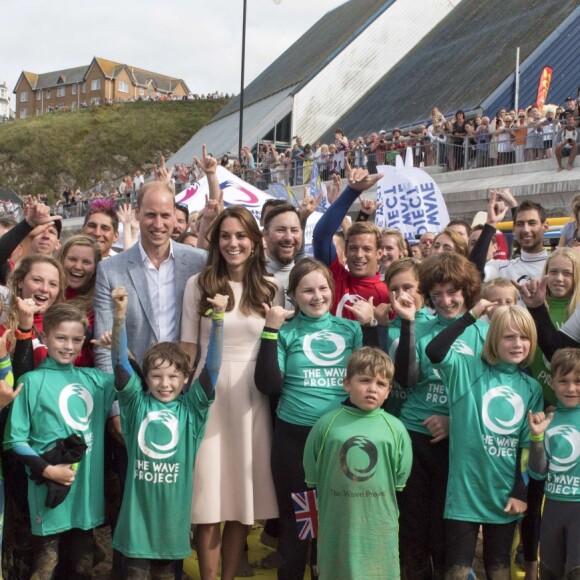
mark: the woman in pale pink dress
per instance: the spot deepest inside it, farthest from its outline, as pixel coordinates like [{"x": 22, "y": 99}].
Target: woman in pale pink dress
[{"x": 232, "y": 477}]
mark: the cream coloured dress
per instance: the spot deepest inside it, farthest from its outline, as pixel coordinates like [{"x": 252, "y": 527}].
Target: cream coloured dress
[{"x": 232, "y": 479}]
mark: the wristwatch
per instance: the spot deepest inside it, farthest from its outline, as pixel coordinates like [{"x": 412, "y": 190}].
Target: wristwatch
[{"x": 373, "y": 323}]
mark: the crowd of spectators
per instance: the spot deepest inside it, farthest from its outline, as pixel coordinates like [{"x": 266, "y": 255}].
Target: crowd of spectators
[{"x": 454, "y": 143}]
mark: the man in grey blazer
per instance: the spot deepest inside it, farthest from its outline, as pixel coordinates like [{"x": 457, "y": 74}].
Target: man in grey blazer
[{"x": 154, "y": 272}]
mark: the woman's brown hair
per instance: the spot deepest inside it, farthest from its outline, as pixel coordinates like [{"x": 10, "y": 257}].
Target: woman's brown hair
[{"x": 258, "y": 286}]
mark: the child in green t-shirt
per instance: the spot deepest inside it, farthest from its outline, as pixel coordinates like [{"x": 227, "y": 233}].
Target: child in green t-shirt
[
  {"x": 489, "y": 398},
  {"x": 357, "y": 457},
  {"x": 554, "y": 452},
  {"x": 163, "y": 429},
  {"x": 62, "y": 405}
]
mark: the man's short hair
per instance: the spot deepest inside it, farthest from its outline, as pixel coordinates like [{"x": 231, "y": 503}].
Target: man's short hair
[
  {"x": 531, "y": 206},
  {"x": 564, "y": 362},
  {"x": 463, "y": 223},
  {"x": 166, "y": 352},
  {"x": 152, "y": 185},
  {"x": 105, "y": 206},
  {"x": 62, "y": 312},
  {"x": 277, "y": 210},
  {"x": 183, "y": 207},
  {"x": 371, "y": 361},
  {"x": 361, "y": 228},
  {"x": 273, "y": 202}
]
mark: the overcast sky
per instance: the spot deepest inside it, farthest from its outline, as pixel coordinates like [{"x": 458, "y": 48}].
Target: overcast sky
[{"x": 197, "y": 40}]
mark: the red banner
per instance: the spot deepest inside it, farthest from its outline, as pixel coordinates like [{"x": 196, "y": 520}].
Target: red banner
[{"x": 543, "y": 87}]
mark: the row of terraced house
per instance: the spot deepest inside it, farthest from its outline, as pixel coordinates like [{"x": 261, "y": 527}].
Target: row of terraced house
[{"x": 102, "y": 81}]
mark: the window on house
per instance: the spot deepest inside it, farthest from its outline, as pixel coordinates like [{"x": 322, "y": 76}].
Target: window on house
[
  {"x": 38, "y": 95},
  {"x": 74, "y": 90},
  {"x": 96, "y": 85},
  {"x": 23, "y": 113},
  {"x": 37, "y": 111},
  {"x": 24, "y": 97},
  {"x": 141, "y": 92},
  {"x": 48, "y": 94},
  {"x": 123, "y": 87},
  {"x": 60, "y": 92},
  {"x": 84, "y": 88},
  {"x": 73, "y": 105}
]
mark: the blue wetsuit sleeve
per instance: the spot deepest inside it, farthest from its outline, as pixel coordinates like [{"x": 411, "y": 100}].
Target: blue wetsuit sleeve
[
  {"x": 328, "y": 225},
  {"x": 122, "y": 369},
  {"x": 213, "y": 361},
  {"x": 25, "y": 454}
]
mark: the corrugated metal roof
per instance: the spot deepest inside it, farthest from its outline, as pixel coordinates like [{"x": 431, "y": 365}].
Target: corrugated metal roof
[
  {"x": 309, "y": 54},
  {"x": 561, "y": 51},
  {"x": 460, "y": 62},
  {"x": 221, "y": 136}
]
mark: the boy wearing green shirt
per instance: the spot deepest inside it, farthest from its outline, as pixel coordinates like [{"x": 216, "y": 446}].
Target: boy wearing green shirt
[
  {"x": 554, "y": 450},
  {"x": 357, "y": 457},
  {"x": 60, "y": 402},
  {"x": 163, "y": 429}
]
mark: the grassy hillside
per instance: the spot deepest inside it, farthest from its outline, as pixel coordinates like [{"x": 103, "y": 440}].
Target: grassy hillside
[{"x": 43, "y": 154}]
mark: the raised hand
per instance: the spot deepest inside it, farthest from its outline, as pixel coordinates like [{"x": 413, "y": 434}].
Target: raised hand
[
  {"x": 539, "y": 422},
  {"x": 483, "y": 307},
  {"x": 7, "y": 393},
  {"x": 126, "y": 214},
  {"x": 496, "y": 208},
  {"x": 533, "y": 292},
  {"x": 161, "y": 173},
  {"x": 105, "y": 340},
  {"x": 363, "y": 310},
  {"x": 505, "y": 195},
  {"x": 27, "y": 308},
  {"x": 404, "y": 305},
  {"x": 360, "y": 179},
  {"x": 368, "y": 206},
  {"x": 219, "y": 303},
  {"x": 120, "y": 300},
  {"x": 38, "y": 214},
  {"x": 207, "y": 163},
  {"x": 276, "y": 316}
]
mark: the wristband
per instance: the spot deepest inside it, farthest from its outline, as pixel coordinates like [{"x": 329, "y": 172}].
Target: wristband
[
  {"x": 269, "y": 335},
  {"x": 217, "y": 315},
  {"x": 537, "y": 438},
  {"x": 24, "y": 335},
  {"x": 472, "y": 315}
]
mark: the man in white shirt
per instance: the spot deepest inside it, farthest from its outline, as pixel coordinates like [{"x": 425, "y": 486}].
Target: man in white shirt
[{"x": 530, "y": 225}]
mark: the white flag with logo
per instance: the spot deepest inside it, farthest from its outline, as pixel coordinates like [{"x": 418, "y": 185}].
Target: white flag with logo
[{"x": 409, "y": 200}]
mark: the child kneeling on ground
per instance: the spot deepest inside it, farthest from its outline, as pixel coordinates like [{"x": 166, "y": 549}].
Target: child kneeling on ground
[
  {"x": 357, "y": 457},
  {"x": 554, "y": 450},
  {"x": 61, "y": 414},
  {"x": 162, "y": 430}
]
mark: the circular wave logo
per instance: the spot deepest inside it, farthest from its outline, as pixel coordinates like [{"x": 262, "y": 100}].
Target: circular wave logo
[
  {"x": 313, "y": 348},
  {"x": 349, "y": 299},
  {"x": 170, "y": 424},
  {"x": 503, "y": 410},
  {"x": 563, "y": 439},
  {"x": 358, "y": 458},
  {"x": 75, "y": 404}
]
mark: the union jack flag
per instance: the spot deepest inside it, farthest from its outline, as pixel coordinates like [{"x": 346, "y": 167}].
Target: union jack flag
[{"x": 306, "y": 509}]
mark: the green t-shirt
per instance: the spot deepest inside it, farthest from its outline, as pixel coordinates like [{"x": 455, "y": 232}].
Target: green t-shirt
[
  {"x": 162, "y": 441},
  {"x": 562, "y": 445},
  {"x": 312, "y": 354},
  {"x": 540, "y": 367},
  {"x": 398, "y": 394},
  {"x": 357, "y": 460},
  {"x": 488, "y": 422},
  {"x": 429, "y": 396},
  {"x": 59, "y": 400}
]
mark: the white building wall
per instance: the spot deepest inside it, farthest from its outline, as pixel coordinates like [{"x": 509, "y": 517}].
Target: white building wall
[
  {"x": 363, "y": 62},
  {"x": 4, "y": 101}
]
